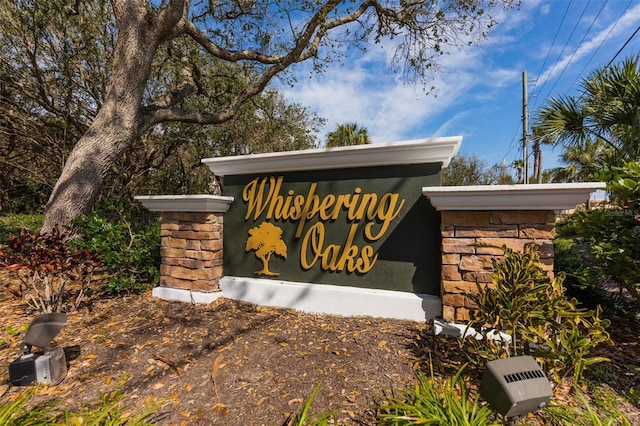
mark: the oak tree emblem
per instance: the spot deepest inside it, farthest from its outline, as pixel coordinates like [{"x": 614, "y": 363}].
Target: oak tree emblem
[{"x": 266, "y": 240}]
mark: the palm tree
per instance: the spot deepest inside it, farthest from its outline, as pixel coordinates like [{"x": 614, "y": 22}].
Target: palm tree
[
  {"x": 348, "y": 134},
  {"x": 606, "y": 116},
  {"x": 582, "y": 161},
  {"x": 519, "y": 166}
]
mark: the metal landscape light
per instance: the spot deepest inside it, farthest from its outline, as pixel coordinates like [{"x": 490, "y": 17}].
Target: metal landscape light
[
  {"x": 48, "y": 365},
  {"x": 515, "y": 386}
]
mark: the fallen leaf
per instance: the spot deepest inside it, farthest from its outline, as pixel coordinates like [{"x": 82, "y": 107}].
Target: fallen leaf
[
  {"x": 294, "y": 401},
  {"x": 220, "y": 408},
  {"x": 216, "y": 368}
]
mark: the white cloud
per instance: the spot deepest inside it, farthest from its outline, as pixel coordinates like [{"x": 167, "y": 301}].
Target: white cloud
[{"x": 626, "y": 23}]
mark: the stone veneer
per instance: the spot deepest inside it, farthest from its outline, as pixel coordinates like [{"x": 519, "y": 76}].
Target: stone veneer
[
  {"x": 469, "y": 240},
  {"x": 477, "y": 220},
  {"x": 191, "y": 250},
  {"x": 191, "y": 243}
]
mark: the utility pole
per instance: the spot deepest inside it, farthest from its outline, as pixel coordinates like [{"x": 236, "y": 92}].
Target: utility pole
[{"x": 525, "y": 129}]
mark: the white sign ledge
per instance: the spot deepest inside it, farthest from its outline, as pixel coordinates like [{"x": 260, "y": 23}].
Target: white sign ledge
[
  {"x": 419, "y": 151},
  {"x": 186, "y": 203},
  {"x": 546, "y": 196}
]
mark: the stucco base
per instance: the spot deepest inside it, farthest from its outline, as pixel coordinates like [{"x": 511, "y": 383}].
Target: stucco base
[
  {"x": 183, "y": 295},
  {"x": 315, "y": 298}
]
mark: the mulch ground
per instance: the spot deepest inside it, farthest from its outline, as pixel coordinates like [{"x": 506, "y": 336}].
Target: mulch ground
[{"x": 233, "y": 363}]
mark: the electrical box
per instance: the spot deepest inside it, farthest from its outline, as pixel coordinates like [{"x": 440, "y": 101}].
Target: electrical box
[{"x": 515, "y": 386}]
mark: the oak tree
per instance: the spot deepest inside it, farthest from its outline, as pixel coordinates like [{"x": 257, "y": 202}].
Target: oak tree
[{"x": 258, "y": 40}]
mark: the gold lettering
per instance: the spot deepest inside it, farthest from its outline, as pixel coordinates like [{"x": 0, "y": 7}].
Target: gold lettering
[
  {"x": 385, "y": 212},
  {"x": 315, "y": 238},
  {"x": 263, "y": 197},
  {"x": 325, "y": 206},
  {"x": 368, "y": 259},
  {"x": 350, "y": 251},
  {"x": 368, "y": 200},
  {"x": 312, "y": 202},
  {"x": 256, "y": 201}
]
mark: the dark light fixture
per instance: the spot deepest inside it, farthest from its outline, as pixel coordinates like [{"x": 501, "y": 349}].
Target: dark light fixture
[{"x": 515, "y": 386}]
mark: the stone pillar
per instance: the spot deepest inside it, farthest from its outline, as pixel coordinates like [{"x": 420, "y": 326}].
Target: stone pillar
[
  {"x": 191, "y": 245},
  {"x": 474, "y": 218},
  {"x": 466, "y": 262},
  {"x": 191, "y": 250}
]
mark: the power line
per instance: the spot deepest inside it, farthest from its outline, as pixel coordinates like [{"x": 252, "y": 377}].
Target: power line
[
  {"x": 611, "y": 27},
  {"x": 565, "y": 46},
  {"x": 553, "y": 43},
  {"x": 623, "y": 46},
  {"x": 577, "y": 48}
]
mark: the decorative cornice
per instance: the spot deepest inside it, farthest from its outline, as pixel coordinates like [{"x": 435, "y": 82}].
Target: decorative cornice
[
  {"x": 186, "y": 203},
  {"x": 549, "y": 196},
  {"x": 420, "y": 151}
]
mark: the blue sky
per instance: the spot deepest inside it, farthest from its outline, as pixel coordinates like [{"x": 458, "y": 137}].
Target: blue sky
[{"x": 479, "y": 94}]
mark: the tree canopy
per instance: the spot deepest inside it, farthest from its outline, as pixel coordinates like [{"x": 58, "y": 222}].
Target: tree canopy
[
  {"x": 471, "y": 170},
  {"x": 348, "y": 134},
  {"x": 599, "y": 127},
  {"x": 162, "y": 70},
  {"x": 54, "y": 76}
]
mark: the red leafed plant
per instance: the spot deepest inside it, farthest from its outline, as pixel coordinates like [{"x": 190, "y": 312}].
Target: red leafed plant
[{"x": 53, "y": 276}]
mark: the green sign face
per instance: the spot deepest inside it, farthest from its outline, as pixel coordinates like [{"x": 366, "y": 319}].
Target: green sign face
[{"x": 362, "y": 227}]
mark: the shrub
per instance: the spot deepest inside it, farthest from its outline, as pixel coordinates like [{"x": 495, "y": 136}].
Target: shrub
[
  {"x": 12, "y": 224},
  {"x": 46, "y": 266},
  {"x": 583, "y": 278},
  {"x": 436, "y": 401},
  {"x": 610, "y": 237},
  {"x": 131, "y": 255},
  {"x": 611, "y": 234},
  {"x": 537, "y": 317}
]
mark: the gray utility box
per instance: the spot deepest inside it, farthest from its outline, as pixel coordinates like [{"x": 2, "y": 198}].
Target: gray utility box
[{"x": 515, "y": 386}]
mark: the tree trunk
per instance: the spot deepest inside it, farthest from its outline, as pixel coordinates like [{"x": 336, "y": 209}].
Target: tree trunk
[
  {"x": 78, "y": 187},
  {"x": 118, "y": 122}
]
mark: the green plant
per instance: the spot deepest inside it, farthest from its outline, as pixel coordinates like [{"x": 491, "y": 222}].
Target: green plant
[
  {"x": 610, "y": 235},
  {"x": 46, "y": 266},
  {"x": 12, "y": 331},
  {"x": 131, "y": 255},
  {"x": 108, "y": 412},
  {"x": 583, "y": 280},
  {"x": 435, "y": 401},
  {"x": 12, "y": 224},
  {"x": 632, "y": 395},
  {"x": 304, "y": 417},
  {"x": 17, "y": 412},
  {"x": 585, "y": 413},
  {"x": 103, "y": 335},
  {"x": 535, "y": 318},
  {"x": 111, "y": 412}
]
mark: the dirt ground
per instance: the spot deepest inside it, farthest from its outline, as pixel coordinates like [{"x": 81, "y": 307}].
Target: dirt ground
[{"x": 232, "y": 363}]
